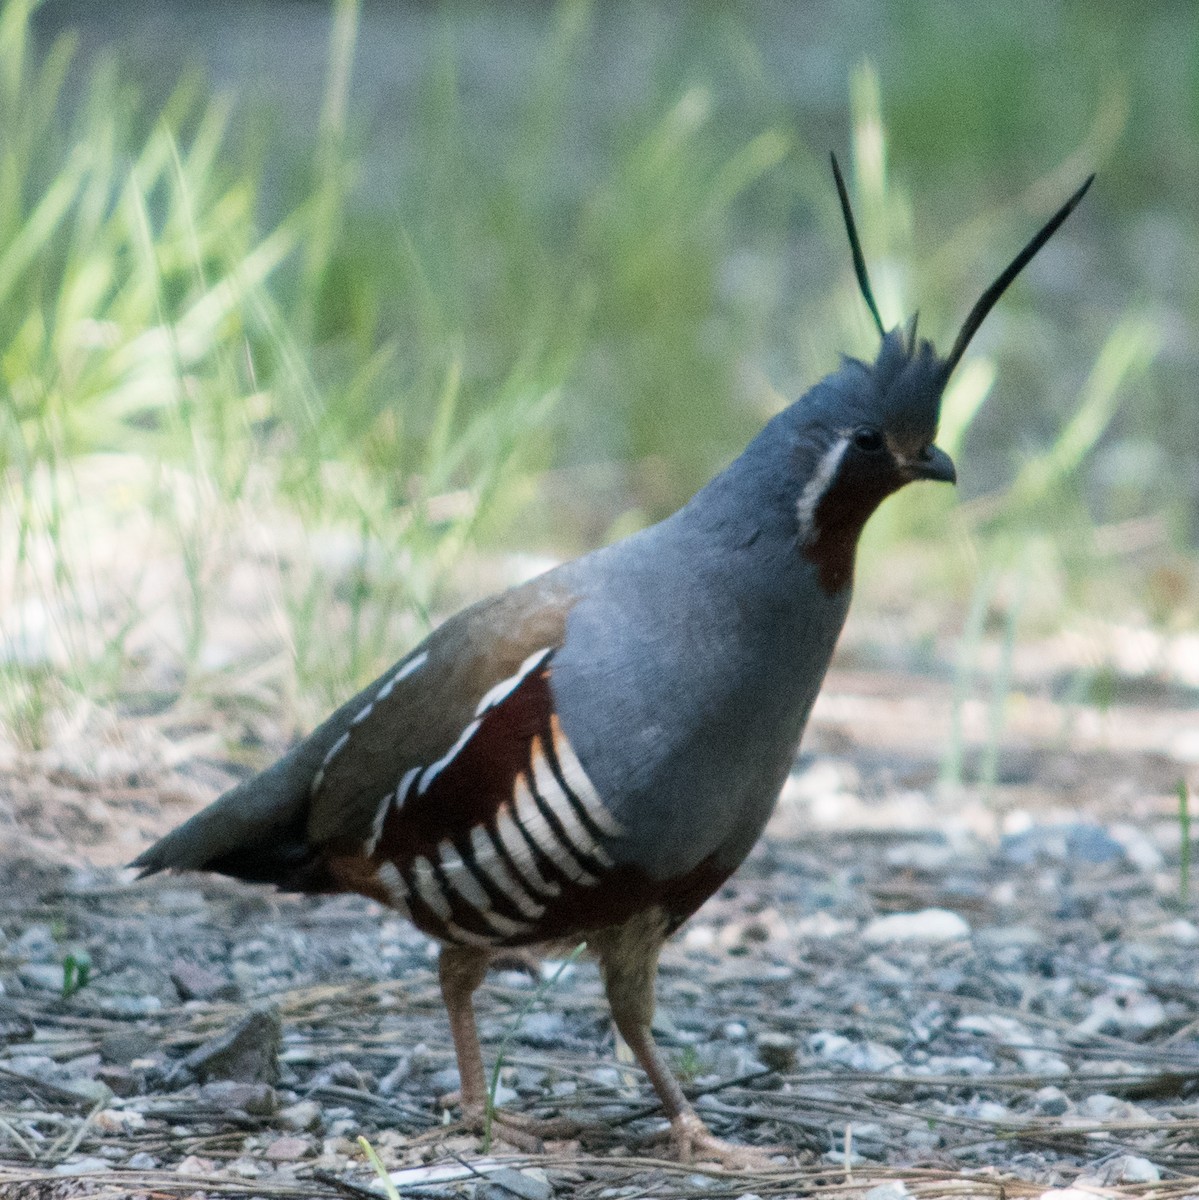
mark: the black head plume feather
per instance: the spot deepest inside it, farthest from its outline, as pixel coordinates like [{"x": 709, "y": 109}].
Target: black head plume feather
[
  {"x": 855, "y": 246},
  {"x": 986, "y": 301}
]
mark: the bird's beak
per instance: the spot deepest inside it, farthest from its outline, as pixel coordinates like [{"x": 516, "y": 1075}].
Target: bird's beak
[{"x": 935, "y": 464}]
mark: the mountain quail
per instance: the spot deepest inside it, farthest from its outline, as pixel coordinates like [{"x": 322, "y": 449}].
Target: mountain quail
[{"x": 590, "y": 755}]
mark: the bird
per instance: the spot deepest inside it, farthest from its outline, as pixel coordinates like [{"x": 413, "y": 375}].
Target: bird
[{"x": 588, "y": 756}]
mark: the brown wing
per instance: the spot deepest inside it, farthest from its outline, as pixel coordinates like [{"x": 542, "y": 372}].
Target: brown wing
[{"x": 413, "y": 715}]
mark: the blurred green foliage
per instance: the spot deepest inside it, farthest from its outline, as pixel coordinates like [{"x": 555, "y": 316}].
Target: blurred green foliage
[{"x": 531, "y": 273}]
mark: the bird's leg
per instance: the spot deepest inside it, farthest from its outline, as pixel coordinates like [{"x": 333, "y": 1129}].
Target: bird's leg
[
  {"x": 628, "y": 959},
  {"x": 460, "y": 970}
]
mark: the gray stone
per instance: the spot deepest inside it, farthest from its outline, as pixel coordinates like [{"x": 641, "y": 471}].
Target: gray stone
[
  {"x": 893, "y": 1189},
  {"x": 247, "y": 1053},
  {"x": 91, "y": 1090},
  {"x": 928, "y": 925},
  {"x": 256, "y": 1099},
  {"x": 1132, "y": 1168},
  {"x": 1074, "y": 841},
  {"x": 1051, "y": 1101},
  {"x": 543, "y": 1029},
  {"x": 778, "y": 1051},
  {"x": 198, "y": 983},
  {"x": 509, "y": 1184},
  {"x": 82, "y": 1166},
  {"x": 304, "y": 1117},
  {"x": 41, "y": 977},
  {"x": 122, "y": 1046}
]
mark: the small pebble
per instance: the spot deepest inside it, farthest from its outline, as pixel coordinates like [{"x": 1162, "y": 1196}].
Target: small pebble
[
  {"x": 894, "y": 1189},
  {"x": 303, "y": 1117},
  {"x": 928, "y": 925},
  {"x": 82, "y": 1166},
  {"x": 778, "y": 1051},
  {"x": 1051, "y": 1101},
  {"x": 1132, "y": 1168},
  {"x": 509, "y": 1184},
  {"x": 288, "y": 1149}
]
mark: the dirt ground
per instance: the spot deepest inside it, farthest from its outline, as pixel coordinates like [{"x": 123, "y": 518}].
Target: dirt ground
[{"x": 909, "y": 989}]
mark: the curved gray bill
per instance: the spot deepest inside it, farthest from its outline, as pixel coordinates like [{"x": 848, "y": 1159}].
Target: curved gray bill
[{"x": 935, "y": 464}]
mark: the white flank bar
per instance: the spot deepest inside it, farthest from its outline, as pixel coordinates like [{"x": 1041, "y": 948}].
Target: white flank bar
[
  {"x": 576, "y": 779},
  {"x": 393, "y": 884},
  {"x": 429, "y": 890},
  {"x": 521, "y": 854},
  {"x": 558, "y": 802},
  {"x": 533, "y": 822},
  {"x": 488, "y": 862}
]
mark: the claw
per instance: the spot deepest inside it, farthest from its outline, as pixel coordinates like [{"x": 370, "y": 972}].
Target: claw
[{"x": 692, "y": 1141}]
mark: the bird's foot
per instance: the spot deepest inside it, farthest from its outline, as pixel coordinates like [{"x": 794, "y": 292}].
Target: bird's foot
[
  {"x": 517, "y": 1129},
  {"x": 692, "y": 1142}
]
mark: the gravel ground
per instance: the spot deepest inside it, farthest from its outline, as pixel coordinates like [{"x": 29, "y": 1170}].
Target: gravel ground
[{"x": 906, "y": 990}]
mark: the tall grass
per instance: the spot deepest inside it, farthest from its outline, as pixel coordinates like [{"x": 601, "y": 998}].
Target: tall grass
[{"x": 246, "y": 456}]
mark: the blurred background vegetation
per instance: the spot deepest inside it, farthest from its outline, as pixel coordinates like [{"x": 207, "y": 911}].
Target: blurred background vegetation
[{"x": 318, "y": 318}]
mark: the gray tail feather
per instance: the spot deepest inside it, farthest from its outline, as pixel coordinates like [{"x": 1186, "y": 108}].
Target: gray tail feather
[{"x": 256, "y": 831}]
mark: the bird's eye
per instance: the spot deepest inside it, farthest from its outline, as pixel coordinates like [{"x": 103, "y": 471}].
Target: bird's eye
[{"x": 868, "y": 440}]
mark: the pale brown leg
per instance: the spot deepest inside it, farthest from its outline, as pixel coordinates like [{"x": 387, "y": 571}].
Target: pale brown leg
[
  {"x": 460, "y": 970},
  {"x": 628, "y": 959}
]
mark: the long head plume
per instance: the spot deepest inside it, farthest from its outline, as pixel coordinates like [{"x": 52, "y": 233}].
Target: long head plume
[{"x": 986, "y": 301}]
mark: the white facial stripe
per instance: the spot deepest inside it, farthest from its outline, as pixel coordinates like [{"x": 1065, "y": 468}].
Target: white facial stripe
[
  {"x": 435, "y": 769},
  {"x": 533, "y": 822},
  {"x": 393, "y": 884},
  {"x": 558, "y": 802},
  {"x": 506, "y": 687},
  {"x": 489, "y": 863},
  {"x": 521, "y": 854},
  {"x": 810, "y": 497},
  {"x": 582, "y": 787},
  {"x": 429, "y": 889}
]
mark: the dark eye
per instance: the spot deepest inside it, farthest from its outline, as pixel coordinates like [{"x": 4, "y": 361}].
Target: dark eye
[{"x": 869, "y": 440}]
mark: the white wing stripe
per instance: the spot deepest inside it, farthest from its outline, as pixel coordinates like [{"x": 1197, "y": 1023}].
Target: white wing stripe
[
  {"x": 435, "y": 769},
  {"x": 409, "y": 668},
  {"x": 506, "y": 687}
]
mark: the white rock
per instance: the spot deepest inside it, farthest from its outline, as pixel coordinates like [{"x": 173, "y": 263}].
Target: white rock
[
  {"x": 1180, "y": 930},
  {"x": 1043, "y": 1062},
  {"x": 873, "y": 1057},
  {"x": 1138, "y": 849},
  {"x": 928, "y": 925},
  {"x": 1132, "y": 1168},
  {"x": 894, "y": 1189}
]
